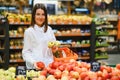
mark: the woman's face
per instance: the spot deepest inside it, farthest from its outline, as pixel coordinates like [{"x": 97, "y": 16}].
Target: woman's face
[{"x": 40, "y": 17}]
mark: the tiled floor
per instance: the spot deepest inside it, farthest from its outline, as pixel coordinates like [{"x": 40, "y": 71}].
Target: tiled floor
[{"x": 113, "y": 59}]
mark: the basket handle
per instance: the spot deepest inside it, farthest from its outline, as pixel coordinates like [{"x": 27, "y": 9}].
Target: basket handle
[{"x": 63, "y": 53}]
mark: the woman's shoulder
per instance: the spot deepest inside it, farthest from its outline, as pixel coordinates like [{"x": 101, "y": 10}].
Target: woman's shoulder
[
  {"x": 29, "y": 28},
  {"x": 49, "y": 27}
]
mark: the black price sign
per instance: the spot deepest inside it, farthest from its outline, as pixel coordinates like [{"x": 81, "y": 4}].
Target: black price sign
[
  {"x": 21, "y": 70},
  {"x": 95, "y": 66}
]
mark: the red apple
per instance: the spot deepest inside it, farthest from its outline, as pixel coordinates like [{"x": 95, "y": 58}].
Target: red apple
[
  {"x": 42, "y": 77},
  {"x": 43, "y": 72},
  {"x": 109, "y": 69},
  {"x": 55, "y": 64},
  {"x": 84, "y": 69},
  {"x": 99, "y": 73},
  {"x": 69, "y": 67},
  {"x": 115, "y": 72},
  {"x": 106, "y": 75},
  {"x": 79, "y": 70},
  {"x": 83, "y": 75},
  {"x": 92, "y": 75},
  {"x": 50, "y": 77},
  {"x": 72, "y": 78},
  {"x": 115, "y": 78},
  {"x": 102, "y": 68},
  {"x": 79, "y": 64},
  {"x": 57, "y": 74},
  {"x": 118, "y": 66},
  {"x": 51, "y": 71},
  {"x": 40, "y": 65},
  {"x": 74, "y": 74},
  {"x": 64, "y": 78},
  {"x": 48, "y": 69},
  {"x": 61, "y": 67},
  {"x": 65, "y": 73},
  {"x": 87, "y": 78},
  {"x": 99, "y": 78},
  {"x": 72, "y": 60}
]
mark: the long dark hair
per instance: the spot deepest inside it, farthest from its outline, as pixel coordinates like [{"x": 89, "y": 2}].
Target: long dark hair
[{"x": 39, "y": 6}]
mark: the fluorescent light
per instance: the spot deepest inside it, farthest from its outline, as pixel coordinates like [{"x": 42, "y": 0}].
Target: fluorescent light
[
  {"x": 81, "y": 9},
  {"x": 12, "y": 8},
  {"x": 3, "y": 8}
]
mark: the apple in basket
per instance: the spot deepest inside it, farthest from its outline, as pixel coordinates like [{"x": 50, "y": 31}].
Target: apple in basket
[
  {"x": 53, "y": 43},
  {"x": 57, "y": 43},
  {"x": 50, "y": 44}
]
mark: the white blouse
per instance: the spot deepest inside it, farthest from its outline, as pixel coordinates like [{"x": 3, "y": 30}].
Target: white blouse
[{"x": 36, "y": 46}]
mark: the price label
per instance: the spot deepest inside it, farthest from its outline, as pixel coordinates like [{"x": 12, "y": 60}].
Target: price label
[
  {"x": 95, "y": 66},
  {"x": 21, "y": 70}
]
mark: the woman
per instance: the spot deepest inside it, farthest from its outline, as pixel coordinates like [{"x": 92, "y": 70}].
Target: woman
[{"x": 36, "y": 39}]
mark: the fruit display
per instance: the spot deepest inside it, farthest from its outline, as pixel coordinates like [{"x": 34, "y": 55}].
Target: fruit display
[
  {"x": 16, "y": 57},
  {"x": 83, "y": 53},
  {"x": 103, "y": 31},
  {"x": 99, "y": 21},
  {"x": 16, "y": 44},
  {"x": 72, "y": 32},
  {"x": 65, "y": 70},
  {"x": 52, "y": 19},
  {"x": 101, "y": 41},
  {"x": 18, "y": 18},
  {"x": 72, "y": 19},
  {"x": 8, "y": 74},
  {"x": 105, "y": 37}
]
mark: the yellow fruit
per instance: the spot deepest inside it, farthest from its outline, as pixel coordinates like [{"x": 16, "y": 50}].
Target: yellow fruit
[
  {"x": 57, "y": 43},
  {"x": 50, "y": 44},
  {"x": 53, "y": 44}
]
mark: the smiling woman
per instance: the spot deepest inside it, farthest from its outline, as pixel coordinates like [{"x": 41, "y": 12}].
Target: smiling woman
[
  {"x": 36, "y": 39},
  {"x": 39, "y": 17}
]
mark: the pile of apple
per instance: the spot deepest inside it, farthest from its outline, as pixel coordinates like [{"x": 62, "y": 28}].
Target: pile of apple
[
  {"x": 8, "y": 74},
  {"x": 75, "y": 70},
  {"x": 65, "y": 70}
]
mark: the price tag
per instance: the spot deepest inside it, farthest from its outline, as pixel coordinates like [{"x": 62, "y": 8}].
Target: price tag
[
  {"x": 95, "y": 66},
  {"x": 21, "y": 70}
]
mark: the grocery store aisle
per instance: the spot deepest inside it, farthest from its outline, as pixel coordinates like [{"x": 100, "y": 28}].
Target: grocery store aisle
[{"x": 113, "y": 59}]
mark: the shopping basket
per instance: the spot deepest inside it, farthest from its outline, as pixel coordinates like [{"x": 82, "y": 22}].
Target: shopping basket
[{"x": 65, "y": 54}]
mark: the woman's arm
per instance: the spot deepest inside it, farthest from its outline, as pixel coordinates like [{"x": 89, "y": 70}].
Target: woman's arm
[
  {"x": 27, "y": 48},
  {"x": 52, "y": 34}
]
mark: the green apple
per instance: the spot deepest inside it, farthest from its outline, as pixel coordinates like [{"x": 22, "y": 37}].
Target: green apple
[
  {"x": 57, "y": 43},
  {"x": 12, "y": 69},
  {"x": 20, "y": 77},
  {"x": 51, "y": 44}
]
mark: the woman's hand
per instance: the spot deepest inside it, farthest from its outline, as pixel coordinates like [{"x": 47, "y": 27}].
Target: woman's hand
[
  {"x": 54, "y": 49},
  {"x": 35, "y": 65}
]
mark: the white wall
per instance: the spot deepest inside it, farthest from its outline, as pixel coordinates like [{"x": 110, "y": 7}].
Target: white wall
[{"x": 55, "y": 2}]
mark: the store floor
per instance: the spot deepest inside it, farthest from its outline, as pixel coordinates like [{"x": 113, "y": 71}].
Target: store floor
[{"x": 113, "y": 59}]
